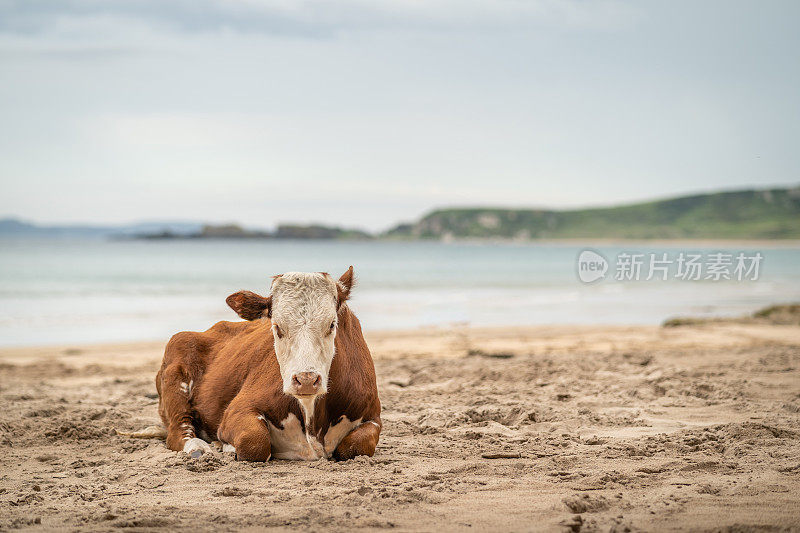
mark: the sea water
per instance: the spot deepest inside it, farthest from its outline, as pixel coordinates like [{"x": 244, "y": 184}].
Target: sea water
[{"x": 56, "y": 291}]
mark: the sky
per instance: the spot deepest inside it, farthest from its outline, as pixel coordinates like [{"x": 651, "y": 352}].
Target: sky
[{"x": 370, "y": 112}]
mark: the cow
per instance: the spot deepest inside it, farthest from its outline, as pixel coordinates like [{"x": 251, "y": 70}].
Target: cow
[{"x": 294, "y": 380}]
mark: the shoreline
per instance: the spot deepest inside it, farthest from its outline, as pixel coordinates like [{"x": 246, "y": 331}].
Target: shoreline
[
  {"x": 457, "y": 341},
  {"x": 703, "y": 243},
  {"x": 566, "y": 241}
]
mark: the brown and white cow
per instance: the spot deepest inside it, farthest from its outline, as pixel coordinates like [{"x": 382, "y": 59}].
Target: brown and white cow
[{"x": 295, "y": 381}]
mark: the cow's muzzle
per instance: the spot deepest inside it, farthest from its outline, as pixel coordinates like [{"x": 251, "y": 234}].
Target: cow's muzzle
[{"x": 306, "y": 383}]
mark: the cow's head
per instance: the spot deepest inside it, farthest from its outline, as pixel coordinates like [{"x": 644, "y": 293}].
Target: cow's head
[{"x": 303, "y": 307}]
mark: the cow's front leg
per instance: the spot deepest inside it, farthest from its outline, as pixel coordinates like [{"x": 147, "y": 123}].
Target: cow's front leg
[
  {"x": 361, "y": 441},
  {"x": 246, "y": 432},
  {"x": 175, "y": 391}
]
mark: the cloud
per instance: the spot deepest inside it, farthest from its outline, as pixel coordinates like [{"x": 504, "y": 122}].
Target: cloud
[{"x": 311, "y": 18}]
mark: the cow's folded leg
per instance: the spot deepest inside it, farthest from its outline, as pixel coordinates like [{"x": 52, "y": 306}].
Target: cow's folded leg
[
  {"x": 361, "y": 441},
  {"x": 245, "y": 433},
  {"x": 175, "y": 389}
]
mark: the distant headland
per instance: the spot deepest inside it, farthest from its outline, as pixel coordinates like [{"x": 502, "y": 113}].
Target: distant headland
[
  {"x": 283, "y": 231},
  {"x": 766, "y": 214}
]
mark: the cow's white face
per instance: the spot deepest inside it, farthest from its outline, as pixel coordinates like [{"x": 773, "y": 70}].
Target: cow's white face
[{"x": 303, "y": 307}]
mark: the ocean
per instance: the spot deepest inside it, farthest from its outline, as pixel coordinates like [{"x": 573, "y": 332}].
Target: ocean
[{"x": 62, "y": 291}]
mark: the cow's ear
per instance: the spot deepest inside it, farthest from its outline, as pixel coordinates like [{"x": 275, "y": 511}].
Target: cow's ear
[
  {"x": 250, "y": 305},
  {"x": 345, "y": 285}
]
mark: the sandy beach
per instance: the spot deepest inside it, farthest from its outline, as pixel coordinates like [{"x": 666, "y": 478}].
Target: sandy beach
[{"x": 512, "y": 429}]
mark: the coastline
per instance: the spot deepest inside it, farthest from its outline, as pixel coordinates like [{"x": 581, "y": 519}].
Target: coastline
[
  {"x": 690, "y": 243},
  {"x": 451, "y": 342},
  {"x": 588, "y": 241}
]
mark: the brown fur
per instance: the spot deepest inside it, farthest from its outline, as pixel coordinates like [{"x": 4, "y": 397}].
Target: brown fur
[
  {"x": 249, "y": 305},
  {"x": 344, "y": 286},
  {"x": 236, "y": 378}
]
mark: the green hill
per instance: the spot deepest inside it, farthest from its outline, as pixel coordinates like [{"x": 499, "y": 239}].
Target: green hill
[{"x": 750, "y": 214}]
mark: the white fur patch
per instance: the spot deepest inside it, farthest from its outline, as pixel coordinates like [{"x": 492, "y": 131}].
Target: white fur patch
[
  {"x": 338, "y": 432},
  {"x": 307, "y": 404},
  {"x": 291, "y": 442},
  {"x": 187, "y": 387},
  {"x": 304, "y": 307},
  {"x": 228, "y": 448}
]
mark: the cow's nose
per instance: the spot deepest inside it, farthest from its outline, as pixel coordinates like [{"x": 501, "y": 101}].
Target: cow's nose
[{"x": 306, "y": 383}]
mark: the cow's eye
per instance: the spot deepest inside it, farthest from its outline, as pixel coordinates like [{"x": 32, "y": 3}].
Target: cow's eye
[
  {"x": 278, "y": 331},
  {"x": 333, "y": 325}
]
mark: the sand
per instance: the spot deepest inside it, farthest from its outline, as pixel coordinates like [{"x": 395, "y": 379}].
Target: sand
[{"x": 521, "y": 429}]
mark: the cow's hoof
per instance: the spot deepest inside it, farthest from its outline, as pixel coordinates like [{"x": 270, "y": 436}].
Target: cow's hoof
[
  {"x": 228, "y": 448},
  {"x": 196, "y": 447}
]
